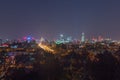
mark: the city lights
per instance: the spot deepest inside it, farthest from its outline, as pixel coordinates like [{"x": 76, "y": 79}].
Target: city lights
[
  {"x": 46, "y": 48},
  {"x": 59, "y": 40}
]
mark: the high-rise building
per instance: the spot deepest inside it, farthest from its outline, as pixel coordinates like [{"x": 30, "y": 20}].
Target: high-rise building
[{"x": 83, "y": 37}]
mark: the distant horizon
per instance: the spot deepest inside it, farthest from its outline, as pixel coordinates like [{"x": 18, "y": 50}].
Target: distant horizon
[{"x": 58, "y": 36}]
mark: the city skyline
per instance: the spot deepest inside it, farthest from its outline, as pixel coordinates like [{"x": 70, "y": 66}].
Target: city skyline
[{"x": 50, "y": 18}]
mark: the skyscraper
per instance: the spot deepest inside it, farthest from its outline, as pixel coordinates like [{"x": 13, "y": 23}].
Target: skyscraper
[{"x": 83, "y": 37}]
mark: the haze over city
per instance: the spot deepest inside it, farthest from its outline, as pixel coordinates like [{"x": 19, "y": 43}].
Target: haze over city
[
  {"x": 49, "y": 18},
  {"x": 59, "y": 40}
]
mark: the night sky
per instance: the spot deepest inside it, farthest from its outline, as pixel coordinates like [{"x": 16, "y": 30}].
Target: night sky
[{"x": 49, "y": 18}]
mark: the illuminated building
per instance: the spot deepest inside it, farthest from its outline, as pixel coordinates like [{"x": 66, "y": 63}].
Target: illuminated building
[
  {"x": 28, "y": 39},
  {"x": 69, "y": 39},
  {"x": 63, "y": 40},
  {"x": 60, "y": 40},
  {"x": 83, "y": 37}
]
